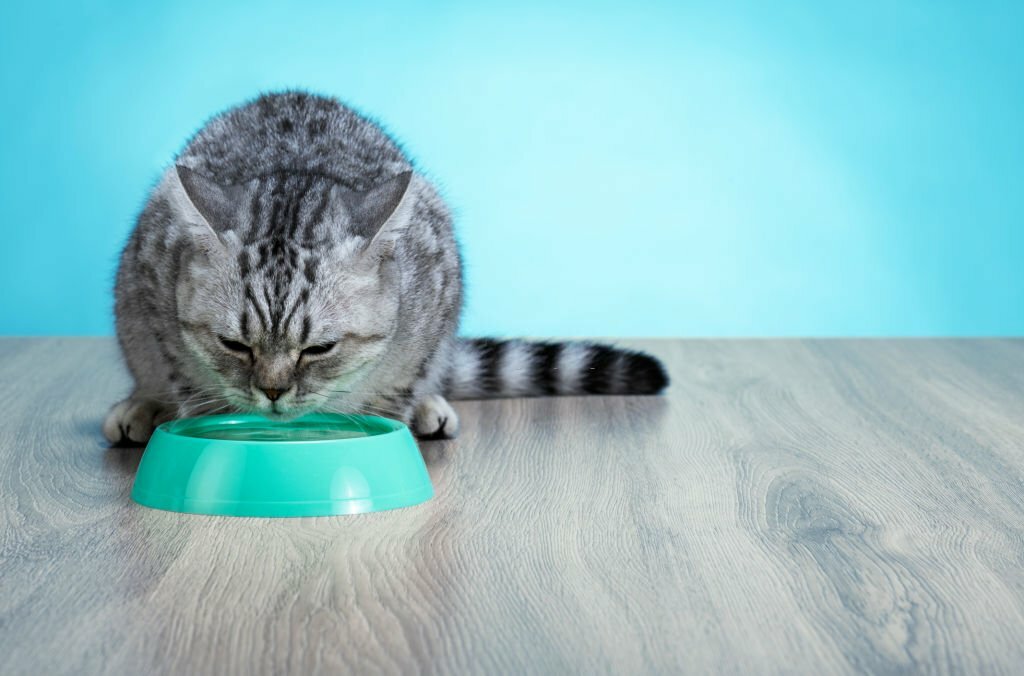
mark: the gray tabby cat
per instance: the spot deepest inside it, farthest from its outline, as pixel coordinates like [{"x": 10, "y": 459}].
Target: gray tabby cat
[{"x": 292, "y": 260}]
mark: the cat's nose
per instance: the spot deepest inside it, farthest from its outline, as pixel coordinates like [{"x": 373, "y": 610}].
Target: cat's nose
[{"x": 273, "y": 392}]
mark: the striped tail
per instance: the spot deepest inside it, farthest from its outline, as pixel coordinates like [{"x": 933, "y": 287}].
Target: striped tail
[{"x": 485, "y": 367}]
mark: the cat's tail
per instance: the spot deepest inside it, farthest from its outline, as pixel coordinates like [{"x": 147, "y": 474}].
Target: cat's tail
[{"x": 483, "y": 368}]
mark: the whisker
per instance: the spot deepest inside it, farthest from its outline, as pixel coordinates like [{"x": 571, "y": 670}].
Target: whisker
[
  {"x": 382, "y": 411},
  {"x": 328, "y": 397},
  {"x": 217, "y": 409},
  {"x": 176, "y": 394},
  {"x": 199, "y": 406},
  {"x": 352, "y": 417},
  {"x": 368, "y": 392}
]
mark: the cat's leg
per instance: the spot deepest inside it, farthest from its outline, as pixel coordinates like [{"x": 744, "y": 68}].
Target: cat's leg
[
  {"x": 133, "y": 420},
  {"x": 148, "y": 354},
  {"x": 434, "y": 418}
]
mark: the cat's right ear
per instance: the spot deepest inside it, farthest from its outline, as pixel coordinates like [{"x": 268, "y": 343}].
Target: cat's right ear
[{"x": 217, "y": 205}]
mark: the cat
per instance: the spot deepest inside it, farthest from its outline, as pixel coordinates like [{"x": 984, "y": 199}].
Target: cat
[{"x": 292, "y": 260}]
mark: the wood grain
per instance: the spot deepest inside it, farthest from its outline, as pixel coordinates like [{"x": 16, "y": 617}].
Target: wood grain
[{"x": 791, "y": 506}]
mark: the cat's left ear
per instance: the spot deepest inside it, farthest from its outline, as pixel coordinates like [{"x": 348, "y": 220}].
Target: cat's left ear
[{"x": 382, "y": 213}]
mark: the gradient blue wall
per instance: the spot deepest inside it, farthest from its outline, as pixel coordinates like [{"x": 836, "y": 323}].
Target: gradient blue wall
[{"x": 772, "y": 168}]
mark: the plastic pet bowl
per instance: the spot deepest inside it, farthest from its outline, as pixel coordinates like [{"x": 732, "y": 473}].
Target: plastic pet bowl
[{"x": 246, "y": 465}]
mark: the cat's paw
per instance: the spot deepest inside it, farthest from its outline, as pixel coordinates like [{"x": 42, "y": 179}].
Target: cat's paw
[
  {"x": 132, "y": 421},
  {"x": 434, "y": 418}
]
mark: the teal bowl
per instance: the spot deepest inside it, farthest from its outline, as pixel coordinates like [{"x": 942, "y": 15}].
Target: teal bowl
[{"x": 247, "y": 465}]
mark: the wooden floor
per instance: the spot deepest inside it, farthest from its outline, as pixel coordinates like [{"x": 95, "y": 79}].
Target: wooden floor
[{"x": 790, "y": 506}]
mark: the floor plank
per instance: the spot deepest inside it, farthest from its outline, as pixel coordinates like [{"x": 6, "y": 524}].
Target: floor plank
[{"x": 808, "y": 506}]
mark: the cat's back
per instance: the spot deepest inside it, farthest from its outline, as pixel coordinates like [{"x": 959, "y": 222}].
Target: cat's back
[{"x": 294, "y": 131}]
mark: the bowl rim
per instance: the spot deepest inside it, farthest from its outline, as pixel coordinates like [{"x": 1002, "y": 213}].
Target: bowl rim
[{"x": 173, "y": 428}]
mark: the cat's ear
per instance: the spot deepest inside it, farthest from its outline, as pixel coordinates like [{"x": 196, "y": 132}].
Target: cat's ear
[
  {"x": 217, "y": 204},
  {"x": 382, "y": 213}
]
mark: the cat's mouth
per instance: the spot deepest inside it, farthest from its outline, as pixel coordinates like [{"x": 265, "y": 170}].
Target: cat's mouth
[
  {"x": 281, "y": 416},
  {"x": 272, "y": 410},
  {"x": 276, "y": 412}
]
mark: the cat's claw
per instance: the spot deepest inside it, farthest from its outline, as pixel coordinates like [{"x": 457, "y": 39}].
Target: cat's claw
[
  {"x": 434, "y": 418},
  {"x": 132, "y": 421}
]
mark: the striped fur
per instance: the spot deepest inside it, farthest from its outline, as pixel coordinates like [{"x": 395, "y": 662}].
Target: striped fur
[{"x": 487, "y": 368}]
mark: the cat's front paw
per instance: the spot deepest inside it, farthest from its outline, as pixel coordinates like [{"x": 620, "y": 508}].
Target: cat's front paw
[
  {"x": 434, "y": 418},
  {"x": 132, "y": 421}
]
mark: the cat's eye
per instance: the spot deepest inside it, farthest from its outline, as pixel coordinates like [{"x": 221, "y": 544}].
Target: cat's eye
[
  {"x": 235, "y": 346},
  {"x": 317, "y": 350}
]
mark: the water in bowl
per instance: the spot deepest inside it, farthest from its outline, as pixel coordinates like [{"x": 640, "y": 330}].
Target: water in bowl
[{"x": 269, "y": 431}]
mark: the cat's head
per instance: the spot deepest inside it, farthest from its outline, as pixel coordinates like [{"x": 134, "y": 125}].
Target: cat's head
[{"x": 288, "y": 294}]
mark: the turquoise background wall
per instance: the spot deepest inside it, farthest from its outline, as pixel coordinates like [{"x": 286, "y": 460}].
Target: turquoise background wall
[{"x": 764, "y": 168}]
